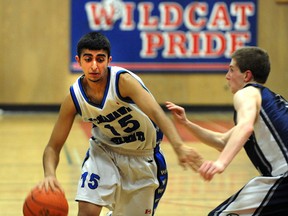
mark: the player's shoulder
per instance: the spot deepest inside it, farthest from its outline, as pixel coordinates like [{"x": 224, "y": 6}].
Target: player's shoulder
[
  {"x": 248, "y": 91},
  {"x": 118, "y": 69},
  {"x": 122, "y": 73},
  {"x": 247, "y": 94}
]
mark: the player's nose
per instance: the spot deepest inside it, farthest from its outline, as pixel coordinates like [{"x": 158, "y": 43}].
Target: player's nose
[{"x": 94, "y": 65}]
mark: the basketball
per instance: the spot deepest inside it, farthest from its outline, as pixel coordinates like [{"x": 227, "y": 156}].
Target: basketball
[{"x": 49, "y": 203}]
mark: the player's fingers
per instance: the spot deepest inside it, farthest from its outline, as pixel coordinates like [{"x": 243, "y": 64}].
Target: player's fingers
[
  {"x": 56, "y": 186},
  {"x": 198, "y": 162},
  {"x": 46, "y": 186},
  {"x": 169, "y": 104},
  {"x": 193, "y": 166},
  {"x": 204, "y": 168},
  {"x": 59, "y": 187},
  {"x": 194, "y": 163},
  {"x": 40, "y": 185},
  {"x": 210, "y": 171},
  {"x": 206, "y": 176},
  {"x": 183, "y": 164},
  {"x": 53, "y": 185},
  {"x": 209, "y": 174}
]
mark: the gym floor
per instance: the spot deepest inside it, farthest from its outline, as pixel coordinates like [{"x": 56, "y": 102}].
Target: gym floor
[{"x": 23, "y": 137}]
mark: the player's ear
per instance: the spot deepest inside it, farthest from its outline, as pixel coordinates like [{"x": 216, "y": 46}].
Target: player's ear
[
  {"x": 110, "y": 59},
  {"x": 248, "y": 76},
  {"x": 78, "y": 59}
]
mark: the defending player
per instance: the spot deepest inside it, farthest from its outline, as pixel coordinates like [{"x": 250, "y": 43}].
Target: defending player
[
  {"x": 124, "y": 168},
  {"x": 261, "y": 126}
]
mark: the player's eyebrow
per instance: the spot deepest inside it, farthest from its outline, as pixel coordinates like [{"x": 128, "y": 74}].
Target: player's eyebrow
[
  {"x": 98, "y": 55},
  {"x": 101, "y": 55},
  {"x": 232, "y": 66},
  {"x": 87, "y": 54}
]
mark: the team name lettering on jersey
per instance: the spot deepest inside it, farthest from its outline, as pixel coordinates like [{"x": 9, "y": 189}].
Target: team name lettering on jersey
[
  {"x": 111, "y": 116},
  {"x": 130, "y": 138},
  {"x": 128, "y": 124}
]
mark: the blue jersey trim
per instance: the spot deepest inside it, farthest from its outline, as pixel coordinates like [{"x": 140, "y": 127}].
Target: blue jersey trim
[
  {"x": 75, "y": 101},
  {"x": 127, "y": 100},
  {"x": 105, "y": 92}
]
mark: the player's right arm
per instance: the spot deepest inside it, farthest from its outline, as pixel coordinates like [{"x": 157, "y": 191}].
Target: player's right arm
[
  {"x": 57, "y": 139},
  {"x": 214, "y": 139}
]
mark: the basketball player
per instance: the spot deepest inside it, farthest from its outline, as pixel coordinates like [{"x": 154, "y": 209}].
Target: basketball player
[
  {"x": 261, "y": 126},
  {"x": 124, "y": 169}
]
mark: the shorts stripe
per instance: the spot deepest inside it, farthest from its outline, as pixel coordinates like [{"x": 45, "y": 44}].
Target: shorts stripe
[{"x": 162, "y": 176}]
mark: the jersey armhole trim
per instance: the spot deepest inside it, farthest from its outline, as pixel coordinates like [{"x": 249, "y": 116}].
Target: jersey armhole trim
[{"x": 75, "y": 101}]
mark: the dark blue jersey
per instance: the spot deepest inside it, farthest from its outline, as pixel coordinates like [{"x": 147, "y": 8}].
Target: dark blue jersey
[{"x": 267, "y": 147}]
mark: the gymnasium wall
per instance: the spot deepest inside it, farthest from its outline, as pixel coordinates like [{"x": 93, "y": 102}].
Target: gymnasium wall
[{"x": 35, "y": 38}]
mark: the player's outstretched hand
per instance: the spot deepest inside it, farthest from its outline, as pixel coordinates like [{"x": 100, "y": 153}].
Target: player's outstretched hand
[
  {"x": 189, "y": 157},
  {"x": 210, "y": 168},
  {"x": 177, "y": 112}
]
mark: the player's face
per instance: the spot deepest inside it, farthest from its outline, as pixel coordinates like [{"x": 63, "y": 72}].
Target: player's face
[
  {"x": 236, "y": 79},
  {"x": 94, "y": 64}
]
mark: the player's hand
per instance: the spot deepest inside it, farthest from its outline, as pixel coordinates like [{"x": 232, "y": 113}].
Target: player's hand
[
  {"x": 188, "y": 157},
  {"x": 210, "y": 168},
  {"x": 177, "y": 112},
  {"x": 50, "y": 182}
]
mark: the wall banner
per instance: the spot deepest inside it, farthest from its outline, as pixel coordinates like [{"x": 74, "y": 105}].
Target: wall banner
[{"x": 167, "y": 36}]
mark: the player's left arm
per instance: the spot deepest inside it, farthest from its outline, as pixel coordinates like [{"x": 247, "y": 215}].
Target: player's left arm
[
  {"x": 130, "y": 87},
  {"x": 247, "y": 104}
]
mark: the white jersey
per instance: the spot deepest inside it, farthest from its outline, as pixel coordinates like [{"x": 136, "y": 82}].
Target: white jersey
[
  {"x": 117, "y": 121},
  {"x": 121, "y": 134}
]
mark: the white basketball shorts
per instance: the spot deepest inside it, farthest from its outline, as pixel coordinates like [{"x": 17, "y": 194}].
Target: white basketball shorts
[{"x": 128, "y": 183}]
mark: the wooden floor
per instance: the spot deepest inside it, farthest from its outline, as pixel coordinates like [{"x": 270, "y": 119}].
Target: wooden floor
[{"x": 23, "y": 137}]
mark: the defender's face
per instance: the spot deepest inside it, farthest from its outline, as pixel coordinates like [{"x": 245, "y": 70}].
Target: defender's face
[{"x": 236, "y": 79}]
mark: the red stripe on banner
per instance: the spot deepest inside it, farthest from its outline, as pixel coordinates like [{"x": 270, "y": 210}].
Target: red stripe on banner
[
  {"x": 174, "y": 66},
  {"x": 168, "y": 66}
]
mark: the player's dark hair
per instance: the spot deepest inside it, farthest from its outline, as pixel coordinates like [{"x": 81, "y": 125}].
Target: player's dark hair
[
  {"x": 254, "y": 59},
  {"x": 93, "y": 41}
]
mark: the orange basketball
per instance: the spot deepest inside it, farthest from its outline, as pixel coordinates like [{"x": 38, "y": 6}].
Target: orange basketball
[{"x": 41, "y": 202}]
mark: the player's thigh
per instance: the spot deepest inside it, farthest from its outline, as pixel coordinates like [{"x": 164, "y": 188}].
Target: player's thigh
[
  {"x": 138, "y": 203},
  {"x": 88, "y": 209}
]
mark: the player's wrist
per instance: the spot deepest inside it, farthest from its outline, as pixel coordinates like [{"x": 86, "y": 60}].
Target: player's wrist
[{"x": 178, "y": 147}]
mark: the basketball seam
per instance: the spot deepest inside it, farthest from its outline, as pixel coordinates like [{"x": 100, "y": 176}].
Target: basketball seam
[
  {"x": 41, "y": 203},
  {"x": 28, "y": 208}
]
